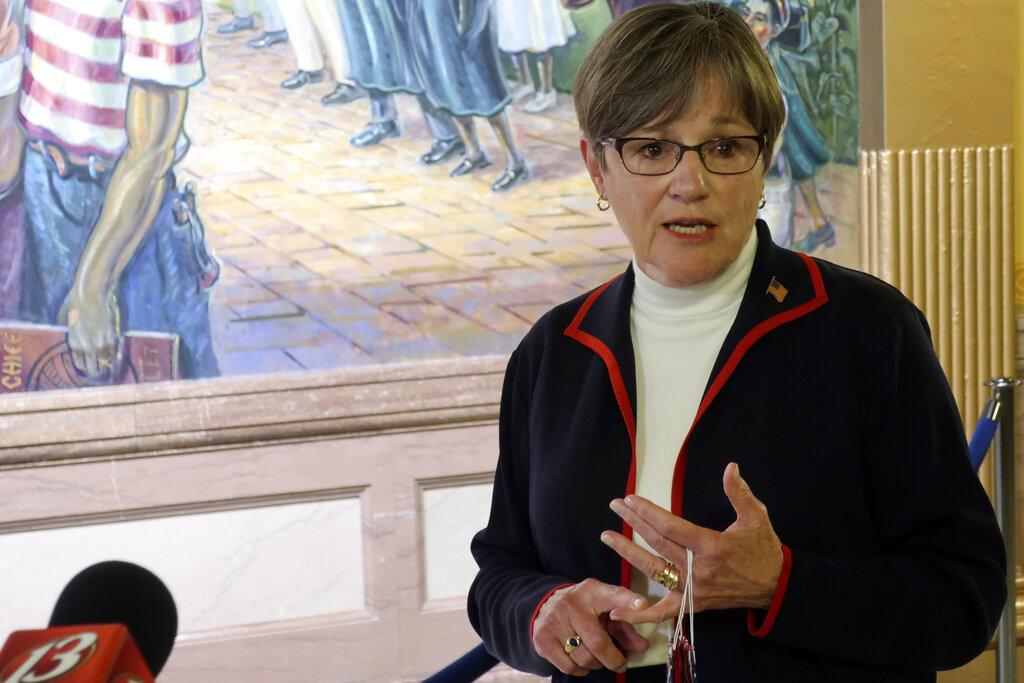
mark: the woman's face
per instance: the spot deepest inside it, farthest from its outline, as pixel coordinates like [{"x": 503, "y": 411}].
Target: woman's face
[
  {"x": 658, "y": 213},
  {"x": 758, "y": 15}
]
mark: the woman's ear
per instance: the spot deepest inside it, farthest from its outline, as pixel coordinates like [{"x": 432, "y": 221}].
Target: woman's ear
[{"x": 594, "y": 167}]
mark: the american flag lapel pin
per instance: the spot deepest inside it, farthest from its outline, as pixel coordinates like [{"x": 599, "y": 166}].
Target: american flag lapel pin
[{"x": 777, "y": 290}]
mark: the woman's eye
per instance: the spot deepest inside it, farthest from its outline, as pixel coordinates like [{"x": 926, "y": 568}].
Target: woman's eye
[
  {"x": 652, "y": 151},
  {"x": 724, "y": 148}
]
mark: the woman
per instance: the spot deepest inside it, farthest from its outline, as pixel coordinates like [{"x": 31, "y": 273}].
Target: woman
[
  {"x": 377, "y": 35},
  {"x": 537, "y": 27},
  {"x": 784, "y": 418},
  {"x": 456, "y": 61}
]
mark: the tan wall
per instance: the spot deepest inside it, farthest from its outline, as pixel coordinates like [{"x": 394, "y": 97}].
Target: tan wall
[{"x": 949, "y": 69}]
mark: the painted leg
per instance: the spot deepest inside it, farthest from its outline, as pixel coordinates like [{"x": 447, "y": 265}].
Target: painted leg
[
  {"x": 308, "y": 57},
  {"x": 546, "y": 98},
  {"x": 384, "y": 123},
  {"x": 516, "y": 171},
  {"x": 524, "y": 82},
  {"x": 442, "y": 129},
  {"x": 474, "y": 156},
  {"x": 241, "y": 21},
  {"x": 823, "y": 231}
]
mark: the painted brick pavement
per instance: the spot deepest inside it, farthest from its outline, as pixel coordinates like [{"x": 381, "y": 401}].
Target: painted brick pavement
[
  {"x": 339, "y": 256},
  {"x": 334, "y": 255}
]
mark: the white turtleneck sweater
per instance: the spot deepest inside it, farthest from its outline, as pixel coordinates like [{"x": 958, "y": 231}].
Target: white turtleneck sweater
[{"x": 677, "y": 333}]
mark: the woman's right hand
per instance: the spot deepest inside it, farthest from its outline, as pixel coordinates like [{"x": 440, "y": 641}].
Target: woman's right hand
[{"x": 582, "y": 610}]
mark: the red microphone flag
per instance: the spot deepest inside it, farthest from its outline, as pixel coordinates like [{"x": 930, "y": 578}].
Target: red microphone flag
[{"x": 103, "y": 653}]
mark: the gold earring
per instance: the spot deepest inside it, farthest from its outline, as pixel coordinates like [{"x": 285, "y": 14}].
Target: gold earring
[
  {"x": 603, "y": 207},
  {"x": 764, "y": 202}
]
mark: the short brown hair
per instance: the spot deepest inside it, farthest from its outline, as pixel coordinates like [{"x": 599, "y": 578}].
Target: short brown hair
[{"x": 650, "y": 65}]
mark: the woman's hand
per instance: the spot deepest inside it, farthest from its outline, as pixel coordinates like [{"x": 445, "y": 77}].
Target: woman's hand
[
  {"x": 582, "y": 610},
  {"x": 738, "y": 567}
]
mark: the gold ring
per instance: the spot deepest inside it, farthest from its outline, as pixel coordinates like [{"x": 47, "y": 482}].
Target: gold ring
[
  {"x": 668, "y": 577},
  {"x": 572, "y": 643}
]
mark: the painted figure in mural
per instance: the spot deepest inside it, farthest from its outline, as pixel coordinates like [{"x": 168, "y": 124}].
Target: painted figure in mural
[
  {"x": 803, "y": 151},
  {"x": 536, "y": 27},
  {"x": 377, "y": 35},
  {"x": 12, "y": 234},
  {"x": 273, "y": 23},
  {"x": 242, "y": 19},
  {"x": 99, "y": 130},
  {"x": 456, "y": 60},
  {"x": 310, "y": 22}
]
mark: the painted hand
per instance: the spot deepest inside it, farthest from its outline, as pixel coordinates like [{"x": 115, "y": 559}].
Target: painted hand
[
  {"x": 582, "y": 610},
  {"x": 93, "y": 335},
  {"x": 738, "y": 567},
  {"x": 10, "y": 35}
]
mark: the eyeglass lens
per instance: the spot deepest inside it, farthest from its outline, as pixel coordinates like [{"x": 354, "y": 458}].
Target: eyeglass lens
[{"x": 656, "y": 157}]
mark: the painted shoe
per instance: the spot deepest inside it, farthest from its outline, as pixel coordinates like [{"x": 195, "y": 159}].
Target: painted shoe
[
  {"x": 544, "y": 101},
  {"x": 342, "y": 94},
  {"x": 442, "y": 150},
  {"x": 469, "y": 165},
  {"x": 267, "y": 38},
  {"x": 522, "y": 92},
  {"x": 301, "y": 78},
  {"x": 826, "y": 235},
  {"x": 235, "y": 25},
  {"x": 512, "y": 176},
  {"x": 375, "y": 132}
]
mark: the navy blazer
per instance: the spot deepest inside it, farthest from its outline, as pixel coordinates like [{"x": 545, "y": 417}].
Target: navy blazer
[{"x": 828, "y": 394}]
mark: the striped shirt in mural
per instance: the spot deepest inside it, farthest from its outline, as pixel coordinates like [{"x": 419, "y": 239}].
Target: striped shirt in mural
[{"x": 82, "y": 54}]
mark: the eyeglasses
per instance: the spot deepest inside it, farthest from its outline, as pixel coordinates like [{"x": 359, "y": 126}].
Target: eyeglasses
[{"x": 724, "y": 156}]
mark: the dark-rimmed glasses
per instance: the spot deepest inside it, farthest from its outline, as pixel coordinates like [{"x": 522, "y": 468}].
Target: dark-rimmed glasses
[{"x": 724, "y": 156}]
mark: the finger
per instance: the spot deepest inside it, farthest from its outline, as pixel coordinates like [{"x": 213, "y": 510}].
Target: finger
[
  {"x": 584, "y": 658},
  {"x": 605, "y": 597},
  {"x": 649, "y": 563},
  {"x": 598, "y": 642},
  {"x": 554, "y": 652},
  {"x": 666, "y": 608},
  {"x": 668, "y": 535},
  {"x": 92, "y": 366},
  {"x": 742, "y": 499},
  {"x": 549, "y": 647},
  {"x": 626, "y": 637}
]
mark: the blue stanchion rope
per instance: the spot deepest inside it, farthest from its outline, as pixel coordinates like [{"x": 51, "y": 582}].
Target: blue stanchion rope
[{"x": 466, "y": 668}]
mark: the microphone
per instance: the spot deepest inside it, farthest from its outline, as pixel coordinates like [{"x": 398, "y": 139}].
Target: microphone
[{"x": 114, "y": 622}]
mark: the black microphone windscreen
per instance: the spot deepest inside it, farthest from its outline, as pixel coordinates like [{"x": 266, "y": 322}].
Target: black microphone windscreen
[{"x": 116, "y": 592}]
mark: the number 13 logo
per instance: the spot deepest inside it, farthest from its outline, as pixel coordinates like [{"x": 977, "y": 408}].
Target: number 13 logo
[{"x": 51, "y": 660}]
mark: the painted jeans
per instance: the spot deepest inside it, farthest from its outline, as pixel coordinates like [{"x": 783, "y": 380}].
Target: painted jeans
[{"x": 159, "y": 291}]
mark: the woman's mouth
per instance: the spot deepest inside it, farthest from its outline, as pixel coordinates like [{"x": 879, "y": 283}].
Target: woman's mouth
[{"x": 688, "y": 228}]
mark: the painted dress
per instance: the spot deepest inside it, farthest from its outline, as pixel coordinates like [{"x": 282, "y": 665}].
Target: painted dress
[
  {"x": 460, "y": 74},
  {"x": 802, "y": 145},
  {"x": 536, "y": 26},
  {"x": 377, "y": 36}
]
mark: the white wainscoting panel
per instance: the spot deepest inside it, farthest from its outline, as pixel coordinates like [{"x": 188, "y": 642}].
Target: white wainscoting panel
[
  {"x": 225, "y": 568},
  {"x": 451, "y": 517}
]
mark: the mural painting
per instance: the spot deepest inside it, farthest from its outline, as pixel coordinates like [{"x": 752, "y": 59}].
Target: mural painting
[{"x": 198, "y": 189}]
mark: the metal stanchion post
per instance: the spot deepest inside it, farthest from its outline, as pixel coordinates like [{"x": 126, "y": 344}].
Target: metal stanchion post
[{"x": 1006, "y": 648}]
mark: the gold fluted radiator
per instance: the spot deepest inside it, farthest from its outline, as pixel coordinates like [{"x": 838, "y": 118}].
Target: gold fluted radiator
[{"x": 938, "y": 225}]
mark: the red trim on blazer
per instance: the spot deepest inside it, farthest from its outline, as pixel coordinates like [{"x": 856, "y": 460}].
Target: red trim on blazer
[
  {"x": 622, "y": 399},
  {"x": 536, "y": 610},
  {"x": 773, "y": 609},
  {"x": 748, "y": 340}
]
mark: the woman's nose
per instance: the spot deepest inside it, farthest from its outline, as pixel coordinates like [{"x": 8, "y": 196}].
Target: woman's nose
[{"x": 689, "y": 178}]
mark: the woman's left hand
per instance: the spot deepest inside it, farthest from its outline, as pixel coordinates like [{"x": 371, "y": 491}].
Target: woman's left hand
[{"x": 738, "y": 567}]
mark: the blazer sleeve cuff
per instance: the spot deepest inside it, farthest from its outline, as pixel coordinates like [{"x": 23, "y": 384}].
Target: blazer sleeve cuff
[
  {"x": 536, "y": 610},
  {"x": 768, "y": 620}
]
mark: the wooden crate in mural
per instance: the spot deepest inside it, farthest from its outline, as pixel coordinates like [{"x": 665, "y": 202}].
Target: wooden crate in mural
[{"x": 289, "y": 186}]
